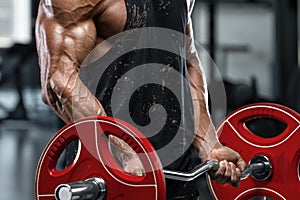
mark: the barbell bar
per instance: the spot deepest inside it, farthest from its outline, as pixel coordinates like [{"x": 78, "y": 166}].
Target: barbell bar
[{"x": 259, "y": 168}]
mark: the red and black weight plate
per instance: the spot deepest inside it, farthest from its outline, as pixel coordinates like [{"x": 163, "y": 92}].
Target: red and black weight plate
[
  {"x": 283, "y": 151},
  {"x": 94, "y": 159}
]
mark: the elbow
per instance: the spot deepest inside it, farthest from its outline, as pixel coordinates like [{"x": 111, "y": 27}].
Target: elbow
[
  {"x": 48, "y": 95},
  {"x": 44, "y": 97}
]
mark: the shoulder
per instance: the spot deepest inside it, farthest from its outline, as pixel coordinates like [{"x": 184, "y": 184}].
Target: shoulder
[{"x": 69, "y": 11}]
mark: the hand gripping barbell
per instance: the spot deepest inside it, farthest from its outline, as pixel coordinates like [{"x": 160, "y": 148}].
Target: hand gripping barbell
[
  {"x": 260, "y": 168},
  {"x": 283, "y": 151},
  {"x": 94, "y": 174}
]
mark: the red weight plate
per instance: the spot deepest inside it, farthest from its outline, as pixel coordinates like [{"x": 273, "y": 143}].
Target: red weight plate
[
  {"x": 283, "y": 151},
  {"x": 95, "y": 160}
]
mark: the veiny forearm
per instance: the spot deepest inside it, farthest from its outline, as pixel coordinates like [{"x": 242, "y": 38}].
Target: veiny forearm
[
  {"x": 65, "y": 93},
  {"x": 205, "y": 134},
  {"x": 72, "y": 100}
]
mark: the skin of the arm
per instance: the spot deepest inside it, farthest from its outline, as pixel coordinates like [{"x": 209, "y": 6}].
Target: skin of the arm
[
  {"x": 206, "y": 140},
  {"x": 65, "y": 34}
]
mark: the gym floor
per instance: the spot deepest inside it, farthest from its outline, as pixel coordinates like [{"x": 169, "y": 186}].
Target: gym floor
[{"x": 21, "y": 143}]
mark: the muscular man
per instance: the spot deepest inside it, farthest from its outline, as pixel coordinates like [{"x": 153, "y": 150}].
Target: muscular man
[{"x": 67, "y": 31}]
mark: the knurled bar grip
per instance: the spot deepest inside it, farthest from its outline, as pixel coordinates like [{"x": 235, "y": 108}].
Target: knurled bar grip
[
  {"x": 208, "y": 166},
  {"x": 259, "y": 164},
  {"x": 193, "y": 174}
]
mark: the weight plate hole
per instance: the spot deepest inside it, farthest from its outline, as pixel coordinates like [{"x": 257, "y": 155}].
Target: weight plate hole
[
  {"x": 68, "y": 155},
  {"x": 266, "y": 127},
  {"x": 125, "y": 156},
  {"x": 261, "y": 198}
]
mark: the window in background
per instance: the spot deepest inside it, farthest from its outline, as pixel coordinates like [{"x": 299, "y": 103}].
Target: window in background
[
  {"x": 244, "y": 39},
  {"x": 15, "y": 22}
]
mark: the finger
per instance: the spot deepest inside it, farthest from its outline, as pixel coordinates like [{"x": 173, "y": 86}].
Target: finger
[
  {"x": 241, "y": 164},
  {"x": 228, "y": 170},
  {"x": 221, "y": 171},
  {"x": 138, "y": 172},
  {"x": 238, "y": 175},
  {"x": 234, "y": 177}
]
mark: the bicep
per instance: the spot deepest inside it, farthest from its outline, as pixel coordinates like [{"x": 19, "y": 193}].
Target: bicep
[
  {"x": 191, "y": 51},
  {"x": 61, "y": 50},
  {"x": 195, "y": 70},
  {"x": 58, "y": 45},
  {"x": 56, "y": 40}
]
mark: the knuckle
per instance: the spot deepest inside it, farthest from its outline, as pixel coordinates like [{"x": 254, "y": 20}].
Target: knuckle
[
  {"x": 238, "y": 172},
  {"x": 227, "y": 175},
  {"x": 233, "y": 179}
]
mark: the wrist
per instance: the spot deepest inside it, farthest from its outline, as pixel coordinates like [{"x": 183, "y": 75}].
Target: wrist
[{"x": 206, "y": 151}]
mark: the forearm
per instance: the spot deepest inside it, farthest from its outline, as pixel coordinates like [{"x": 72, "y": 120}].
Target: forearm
[
  {"x": 62, "y": 88},
  {"x": 205, "y": 135},
  {"x": 206, "y": 140},
  {"x": 65, "y": 93},
  {"x": 71, "y": 101}
]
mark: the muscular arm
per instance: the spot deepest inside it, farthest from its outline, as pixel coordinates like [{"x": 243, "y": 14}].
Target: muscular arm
[
  {"x": 206, "y": 141},
  {"x": 205, "y": 134},
  {"x": 65, "y": 34}
]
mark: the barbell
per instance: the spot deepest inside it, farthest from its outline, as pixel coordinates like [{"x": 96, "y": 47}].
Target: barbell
[
  {"x": 94, "y": 174},
  {"x": 95, "y": 188}
]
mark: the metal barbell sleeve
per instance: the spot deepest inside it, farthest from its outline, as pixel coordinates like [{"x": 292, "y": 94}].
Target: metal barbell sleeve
[{"x": 92, "y": 189}]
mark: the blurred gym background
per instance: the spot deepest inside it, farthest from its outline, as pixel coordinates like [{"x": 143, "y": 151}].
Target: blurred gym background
[{"x": 253, "y": 42}]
